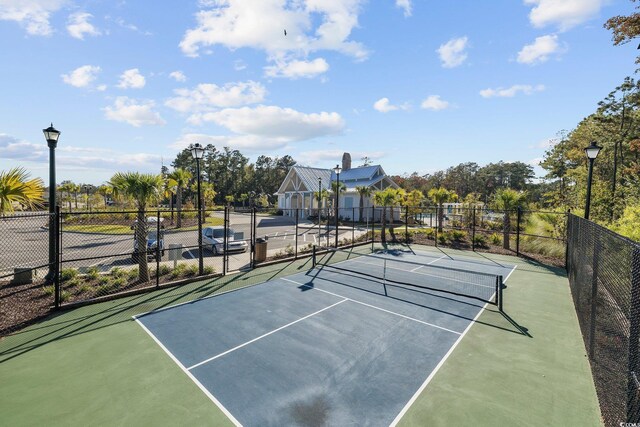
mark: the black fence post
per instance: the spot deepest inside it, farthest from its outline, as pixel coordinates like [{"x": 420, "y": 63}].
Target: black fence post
[
  {"x": 225, "y": 222},
  {"x": 594, "y": 292},
  {"x": 568, "y": 225},
  {"x": 295, "y": 252},
  {"x": 518, "y": 219},
  {"x": 158, "y": 252},
  {"x": 633, "y": 407},
  {"x": 254, "y": 218},
  {"x": 473, "y": 229},
  {"x": 373, "y": 227},
  {"x": 406, "y": 224},
  {"x": 353, "y": 226},
  {"x": 57, "y": 232},
  {"x": 435, "y": 230},
  {"x": 313, "y": 256}
]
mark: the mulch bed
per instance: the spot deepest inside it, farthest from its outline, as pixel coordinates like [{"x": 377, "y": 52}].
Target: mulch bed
[{"x": 22, "y": 305}]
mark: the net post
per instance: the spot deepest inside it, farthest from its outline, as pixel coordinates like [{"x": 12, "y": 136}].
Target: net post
[
  {"x": 633, "y": 406},
  {"x": 225, "y": 222},
  {"x": 314, "y": 262},
  {"x": 500, "y": 294},
  {"x": 566, "y": 240}
]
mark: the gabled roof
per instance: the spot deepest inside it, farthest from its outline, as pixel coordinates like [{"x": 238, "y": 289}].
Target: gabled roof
[
  {"x": 309, "y": 177},
  {"x": 362, "y": 176},
  {"x": 361, "y": 173}
]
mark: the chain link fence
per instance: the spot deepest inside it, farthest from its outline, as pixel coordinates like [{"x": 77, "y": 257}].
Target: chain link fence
[{"x": 604, "y": 275}]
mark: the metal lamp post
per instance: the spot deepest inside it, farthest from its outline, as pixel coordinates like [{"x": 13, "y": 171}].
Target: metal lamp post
[
  {"x": 592, "y": 152},
  {"x": 319, "y": 206},
  {"x": 197, "y": 151},
  {"x": 337, "y": 170},
  {"x": 51, "y": 135},
  {"x": 86, "y": 189}
]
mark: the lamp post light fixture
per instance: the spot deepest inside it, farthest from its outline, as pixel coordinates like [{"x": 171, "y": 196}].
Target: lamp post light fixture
[
  {"x": 197, "y": 151},
  {"x": 592, "y": 152},
  {"x": 51, "y": 135},
  {"x": 337, "y": 170},
  {"x": 87, "y": 187}
]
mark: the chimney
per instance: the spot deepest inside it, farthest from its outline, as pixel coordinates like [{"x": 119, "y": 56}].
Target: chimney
[{"x": 346, "y": 162}]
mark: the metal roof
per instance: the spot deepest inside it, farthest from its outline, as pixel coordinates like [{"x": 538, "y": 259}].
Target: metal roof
[{"x": 361, "y": 176}]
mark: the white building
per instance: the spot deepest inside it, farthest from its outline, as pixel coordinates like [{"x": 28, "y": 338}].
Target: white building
[{"x": 301, "y": 184}]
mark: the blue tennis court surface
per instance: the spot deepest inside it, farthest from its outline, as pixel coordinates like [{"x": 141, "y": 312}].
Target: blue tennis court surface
[{"x": 318, "y": 348}]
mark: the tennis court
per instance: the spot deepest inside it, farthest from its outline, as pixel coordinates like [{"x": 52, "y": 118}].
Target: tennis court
[{"x": 352, "y": 341}]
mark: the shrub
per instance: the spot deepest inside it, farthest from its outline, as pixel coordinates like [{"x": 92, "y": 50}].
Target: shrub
[
  {"x": 164, "y": 269},
  {"x": 72, "y": 282},
  {"x": 442, "y": 238},
  {"x": 103, "y": 289},
  {"x": 84, "y": 288},
  {"x": 289, "y": 250},
  {"x": 103, "y": 280},
  {"x": 92, "y": 273},
  {"x": 119, "y": 281},
  {"x": 132, "y": 274},
  {"x": 118, "y": 272},
  {"x": 208, "y": 269},
  {"x": 192, "y": 270},
  {"x": 480, "y": 241},
  {"x": 178, "y": 271},
  {"x": 68, "y": 274},
  {"x": 496, "y": 239},
  {"x": 64, "y": 295},
  {"x": 49, "y": 290},
  {"x": 458, "y": 236}
]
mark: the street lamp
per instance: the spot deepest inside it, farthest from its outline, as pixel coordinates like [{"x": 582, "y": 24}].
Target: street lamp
[
  {"x": 51, "y": 134},
  {"x": 592, "y": 152},
  {"x": 319, "y": 207},
  {"x": 337, "y": 170},
  {"x": 197, "y": 151}
]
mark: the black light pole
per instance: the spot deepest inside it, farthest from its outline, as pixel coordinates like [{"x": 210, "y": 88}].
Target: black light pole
[
  {"x": 86, "y": 189},
  {"x": 592, "y": 152},
  {"x": 51, "y": 134},
  {"x": 197, "y": 151},
  {"x": 337, "y": 170}
]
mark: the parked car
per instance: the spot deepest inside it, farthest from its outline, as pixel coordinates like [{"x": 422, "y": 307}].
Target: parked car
[
  {"x": 153, "y": 240},
  {"x": 214, "y": 236}
]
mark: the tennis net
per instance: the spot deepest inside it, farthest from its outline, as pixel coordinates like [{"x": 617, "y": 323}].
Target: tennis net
[{"x": 384, "y": 268}]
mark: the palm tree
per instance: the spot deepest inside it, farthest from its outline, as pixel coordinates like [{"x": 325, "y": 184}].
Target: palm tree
[
  {"x": 105, "y": 191},
  {"x": 363, "y": 191},
  {"x": 142, "y": 188},
  {"x": 67, "y": 187},
  {"x": 384, "y": 198},
  {"x": 440, "y": 196},
  {"x": 76, "y": 189},
  {"x": 181, "y": 178},
  {"x": 16, "y": 187},
  {"x": 507, "y": 200}
]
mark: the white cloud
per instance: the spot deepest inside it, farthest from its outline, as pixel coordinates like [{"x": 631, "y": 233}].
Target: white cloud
[
  {"x": 207, "y": 96},
  {"x": 404, "y": 5},
  {"x": 82, "y": 76},
  {"x": 131, "y": 79},
  {"x": 383, "y": 105},
  {"x": 78, "y": 25},
  {"x": 14, "y": 149},
  {"x": 296, "y": 68},
  {"x": 511, "y": 91},
  {"x": 311, "y": 25},
  {"x": 563, "y": 13},
  {"x": 434, "y": 102},
  {"x": 178, "y": 76},
  {"x": 452, "y": 53},
  {"x": 282, "y": 124},
  {"x": 136, "y": 113},
  {"x": 32, "y": 15},
  {"x": 540, "y": 50}
]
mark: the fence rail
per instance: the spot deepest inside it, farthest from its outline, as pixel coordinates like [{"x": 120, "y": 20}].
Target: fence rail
[{"x": 604, "y": 275}]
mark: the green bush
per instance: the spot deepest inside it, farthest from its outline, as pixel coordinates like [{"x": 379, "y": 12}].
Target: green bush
[
  {"x": 192, "y": 270},
  {"x": 68, "y": 274},
  {"x": 49, "y": 290},
  {"x": 92, "y": 273},
  {"x": 496, "y": 239},
  {"x": 458, "y": 235},
  {"x": 118, "y": 272},
  {"x": 178, "y": 271},
  {"x": 118, "y": 282},
  {"x": 103, "y": 280},
  {"x": 132, "y": 274},
  {"x": 442, "y": 238},
  {"x": 164, "y": 269},
  {"x": 480, "y": 241},
  {"x": 64, "y": 295},
  {"x": 208, "y": 269},
  {"x": 84, "y": 288},
  {"x": 72, "y": 282}
]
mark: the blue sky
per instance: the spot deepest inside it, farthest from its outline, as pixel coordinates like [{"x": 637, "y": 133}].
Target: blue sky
[{"x": 415, "y": 85}]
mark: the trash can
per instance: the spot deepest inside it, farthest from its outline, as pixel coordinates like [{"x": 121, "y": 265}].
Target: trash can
[{"x": 261, "y": 249}]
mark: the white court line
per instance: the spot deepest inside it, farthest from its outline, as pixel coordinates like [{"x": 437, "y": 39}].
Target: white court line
[
  {"x": 194, "y": 379},
  {"x": 426, "y": 274},
  {"x": 264, "y": 335},
  {"x": 372, "y": 306},
  {"x": 429, "y": 263},
  {"x": 509, "y": 275},
  {"x": 435, "y": 370}
]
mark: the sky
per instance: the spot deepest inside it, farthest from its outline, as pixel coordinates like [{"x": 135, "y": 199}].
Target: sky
[{"x": 414, "y": 85}]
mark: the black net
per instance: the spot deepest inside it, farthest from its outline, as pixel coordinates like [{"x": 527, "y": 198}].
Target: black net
[
  {"x": 384, "y": 268},
  {"x": 604, "y": 274}
]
